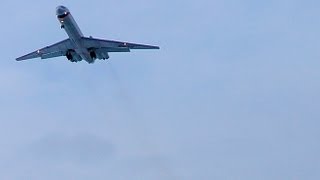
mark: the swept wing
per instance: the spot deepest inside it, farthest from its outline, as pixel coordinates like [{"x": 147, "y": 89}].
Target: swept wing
[
  {"x": 113, "y": 46},
  {"x": 55, "y": 50}
]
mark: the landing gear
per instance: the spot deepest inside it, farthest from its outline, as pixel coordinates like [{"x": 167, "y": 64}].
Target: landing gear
[
  {"x": 69, "y": 56},
  {"x": 93, "y": 55},
  {"x": 62, "y": 26}
]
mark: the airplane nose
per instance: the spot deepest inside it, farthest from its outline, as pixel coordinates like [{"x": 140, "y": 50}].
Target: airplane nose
[{"x": 62, "y": 11}]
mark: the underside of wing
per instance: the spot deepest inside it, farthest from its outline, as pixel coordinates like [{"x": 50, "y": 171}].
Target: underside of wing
[
  {"x": 55, "y": 50},
  {"x": 114, "y": 46}
]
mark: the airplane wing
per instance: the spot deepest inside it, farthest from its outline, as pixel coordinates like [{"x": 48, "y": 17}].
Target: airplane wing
[
  {"x": 113, "y": 46},
  {"x": 55, "y": 50}
]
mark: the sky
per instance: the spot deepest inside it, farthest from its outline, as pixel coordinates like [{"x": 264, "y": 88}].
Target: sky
[{"x": 232, "y": 94}]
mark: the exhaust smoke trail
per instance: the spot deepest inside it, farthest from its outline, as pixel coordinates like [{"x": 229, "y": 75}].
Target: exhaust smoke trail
[{"x": 141, "y": 133}]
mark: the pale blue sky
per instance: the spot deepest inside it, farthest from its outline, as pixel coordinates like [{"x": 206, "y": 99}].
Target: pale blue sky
[{"x": 232, "y": 94}]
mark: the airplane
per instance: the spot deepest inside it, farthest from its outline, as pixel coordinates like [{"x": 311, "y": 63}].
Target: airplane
[{"x": 78, "y": 47}]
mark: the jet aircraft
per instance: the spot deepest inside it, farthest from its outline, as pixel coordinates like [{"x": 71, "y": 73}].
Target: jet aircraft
[{"x": 78, "y": 47}]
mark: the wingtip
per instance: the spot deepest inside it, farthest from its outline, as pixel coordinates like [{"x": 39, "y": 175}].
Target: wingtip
[
  {"x": 19, "y": 59},
  {"x": 155, "y": 47}
]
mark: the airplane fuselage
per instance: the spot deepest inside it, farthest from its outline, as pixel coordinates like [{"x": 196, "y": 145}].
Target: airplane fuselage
[
  {"x": 77, "y": 47},
  {"x": 72, "y": 29}
]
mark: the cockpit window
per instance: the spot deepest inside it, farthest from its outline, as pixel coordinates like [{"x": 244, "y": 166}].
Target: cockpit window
[{"x": 63, "y": 15}]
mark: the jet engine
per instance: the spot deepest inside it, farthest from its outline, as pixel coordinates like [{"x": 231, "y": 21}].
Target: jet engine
[
  {"x": 102, "y": 54},
  {"x": 98, "y": 53},
  {"x": 73, "y": 56}
]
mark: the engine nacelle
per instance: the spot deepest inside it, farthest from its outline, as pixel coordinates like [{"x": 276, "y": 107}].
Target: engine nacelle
[
  {"x": 73, "y": 56},
  {"x": 101, "y": 54}
]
